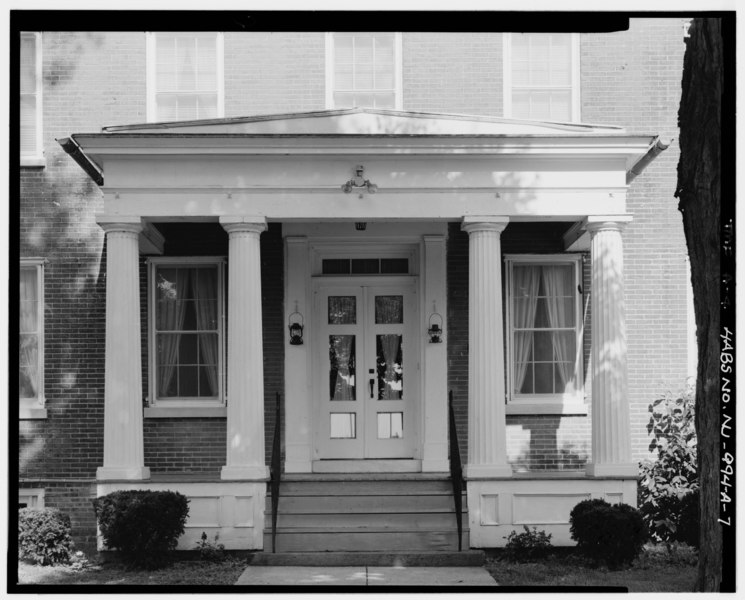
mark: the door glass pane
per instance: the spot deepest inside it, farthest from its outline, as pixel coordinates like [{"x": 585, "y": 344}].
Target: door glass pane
[
  {"x": 394, "y": 265},
  {"x": 343, "y": 426},
  {"x": 390, "y": 367},
  {"x": 342, "y": 367},
  {"x": 335, "y": 266},
  {"x": 390, "y": 425},
  {"x": 365, "y": 266},
  {"x": 389, "y": 310},
  {"x": 342, "y": 310}
]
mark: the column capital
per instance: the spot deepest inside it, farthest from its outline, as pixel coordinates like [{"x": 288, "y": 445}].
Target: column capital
[
  {"x": 486, "y": 223},
  {"x": 595, "y": 223},
  {"x": 243, "y": 224},
  {"x": 111, "y": 223}
]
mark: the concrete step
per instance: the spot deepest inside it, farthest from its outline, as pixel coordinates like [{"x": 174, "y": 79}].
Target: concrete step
[
  {"x": 335, "y": 521},
  {"x": 466, "y": 558},
  {"x": 363, "y": 504},
  {"x": 364, "y": 540}
]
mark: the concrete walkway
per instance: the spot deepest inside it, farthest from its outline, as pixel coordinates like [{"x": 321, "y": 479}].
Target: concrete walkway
[{"x": 418, "y": 576}]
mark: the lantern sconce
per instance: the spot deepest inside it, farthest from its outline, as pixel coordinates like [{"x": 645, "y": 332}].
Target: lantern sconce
[
  {"x": 296, "y": 326},
  {"x": 359, "y": 182},
  {"x": 435, "y": 328}
]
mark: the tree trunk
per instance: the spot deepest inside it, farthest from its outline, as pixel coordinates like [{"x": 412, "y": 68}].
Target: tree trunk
[{"x": 699, "y": 191}]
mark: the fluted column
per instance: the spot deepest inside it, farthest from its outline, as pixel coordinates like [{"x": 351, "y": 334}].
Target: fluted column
[
  {"x": 245, "y": 427},
  {"x": 487, "y": 447},
  {"x": 611, "y": 447},
  {"x": 123, "y": 452}
]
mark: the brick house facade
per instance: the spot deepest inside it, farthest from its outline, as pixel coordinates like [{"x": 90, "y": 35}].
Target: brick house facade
[{"x": 628, "y": 81}]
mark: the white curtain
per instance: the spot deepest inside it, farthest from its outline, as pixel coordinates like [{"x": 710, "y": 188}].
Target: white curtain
[
  {"x": 393, "y": 375},
  {"x": 204, "y": 290},
  {"x": 341, "y": 373},
  {"x": 29, "y": 337},
  {"x": 558, "y": 283},
  {"x": 170, "y": 318},
  {"x": 526, "y": 280}
]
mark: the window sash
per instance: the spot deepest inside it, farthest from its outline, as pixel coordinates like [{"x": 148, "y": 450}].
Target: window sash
[
  {"x": 185, "y": 76},
  {"x": 31, "y": 334},
  {"x": 527, "y": 363},
  {"x": 186, "y": 354},
  {"x": 541, "y": 81},
  {"x": 363, "y": 69},
  {"x": 30, "y": 96}
]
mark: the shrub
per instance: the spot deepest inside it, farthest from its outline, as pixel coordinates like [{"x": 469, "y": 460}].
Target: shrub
[
  {"x": 210, "y": 551},
  {"x": 527, "y": 546},
  {"x": 671, "y": 476},
  {"x": 609, "y": 534},
  {"x": 143, "y": 525},
  {"x": 688, "y": 523},
  {"x": 44, "y": 536}
]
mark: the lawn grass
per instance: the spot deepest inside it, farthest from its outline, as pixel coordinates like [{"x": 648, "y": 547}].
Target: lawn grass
[
  {"x": 188, "y": 572},
  {"x": 656, "y": 570}
]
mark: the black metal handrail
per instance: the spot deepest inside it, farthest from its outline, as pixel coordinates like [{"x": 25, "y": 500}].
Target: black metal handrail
[
  {"x": 456, "y": 472},
  {"x": 275, "y": 469}
]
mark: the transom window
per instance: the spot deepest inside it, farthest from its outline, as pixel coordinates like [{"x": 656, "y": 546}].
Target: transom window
[
  {"x": 31, "y": 339},
  {"x": 187, "y": 332},
  {"x": 363, "y": 69},
  {"x": 544, "y": 328},
  {"x": 542, "y": 76},
  {"x": 365, "y": 266},
  {"x": 185, "y": 76},
  {"x": 31, "y": 139}
]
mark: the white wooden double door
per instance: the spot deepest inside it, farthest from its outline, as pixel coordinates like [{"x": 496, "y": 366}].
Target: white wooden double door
[{"x": 366, "y": 368}]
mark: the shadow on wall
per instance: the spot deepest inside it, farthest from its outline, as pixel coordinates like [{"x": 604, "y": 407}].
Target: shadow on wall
[{"x": 536, "y": 445}]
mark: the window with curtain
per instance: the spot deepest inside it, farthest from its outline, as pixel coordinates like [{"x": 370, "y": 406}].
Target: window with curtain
[
  {"x": 541, "y": 78},
  {"x": 31, "y": 330},
  {"x": 544, "y": 324},
  {"x": 363, "y": 70},
  {"x": 185, "y": 78},
  {"x": 187, "y": 335},
  {"x": 30, "y": 95}
]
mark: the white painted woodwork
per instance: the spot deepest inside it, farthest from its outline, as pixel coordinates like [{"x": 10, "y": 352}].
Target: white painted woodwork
[
  {"x": 232, "y": 510},
  {"x": 245, "y": 422},
  {"x": 123, "y": 452},
  {"x": 611, "y": 438},
  {"x": 434, "y": 376},
  {"x": 487, "y": 451},
  {"x": 498, "y": 507},
  {"x": 298, "y": 399}
]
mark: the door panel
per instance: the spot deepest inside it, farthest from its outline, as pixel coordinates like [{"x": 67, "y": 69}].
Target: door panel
[{"x": 368, "y": 371}]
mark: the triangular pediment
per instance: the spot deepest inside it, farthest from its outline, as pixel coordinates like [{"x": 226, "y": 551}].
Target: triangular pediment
[{"x": 366, "y": 121}]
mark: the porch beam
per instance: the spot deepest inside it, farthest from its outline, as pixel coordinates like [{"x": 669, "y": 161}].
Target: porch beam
[
  {"x": 487, "y": 446},
  {"x": 245, "y": 422},
  {"x": 611, "y": 428}
]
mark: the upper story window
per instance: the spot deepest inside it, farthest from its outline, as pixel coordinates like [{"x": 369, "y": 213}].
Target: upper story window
[
  {"x": 31, "y": 339},
  {"x": 541, "y": 72},
  {"x": 544, "y": 326},
  {"x": 363, "y": 69},
  {"x": 186, "y": 331},
  {"x": 31, "y": 140},
  {"x": 185, "y": 76}
]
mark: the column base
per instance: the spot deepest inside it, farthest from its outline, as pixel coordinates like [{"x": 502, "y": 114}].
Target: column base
[
  {"x": 132, "y": 473},
  {"x": 488, "y": 471},
  {"x": 245, "y": 473},
  {"x": 630, "y": 470}
]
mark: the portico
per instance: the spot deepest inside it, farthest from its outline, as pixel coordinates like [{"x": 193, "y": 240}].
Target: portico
[{"x": 366, "y": 390}]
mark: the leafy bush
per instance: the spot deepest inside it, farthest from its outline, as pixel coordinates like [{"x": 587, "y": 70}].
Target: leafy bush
[
  {"x": 527, "y": 546},
  {"x": 44, "y": 536},
  {"x": 210, "y": 551},
  {"x": 609, "y": 534},
  {"x": 143, "y": 525},
  {"x": 667, "y": 480}
]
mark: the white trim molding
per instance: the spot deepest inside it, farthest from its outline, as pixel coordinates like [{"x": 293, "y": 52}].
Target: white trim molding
[
  {"x": 34, "y": 408},
  {"x": 575, "y": 102},
  {"x": 566, "y": 403}
]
